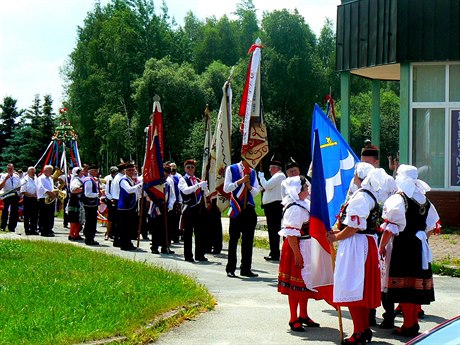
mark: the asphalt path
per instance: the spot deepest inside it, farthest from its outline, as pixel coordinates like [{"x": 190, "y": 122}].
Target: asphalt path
[{"x": 250, "y": 310}]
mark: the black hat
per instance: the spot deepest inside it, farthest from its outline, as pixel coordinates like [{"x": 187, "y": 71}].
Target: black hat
[
  {"x": 277, "y": 163},
  {"x": 370, "y": 150},
  {"x": 291, "y": 164},
  {"x": 121, "y": 166}
]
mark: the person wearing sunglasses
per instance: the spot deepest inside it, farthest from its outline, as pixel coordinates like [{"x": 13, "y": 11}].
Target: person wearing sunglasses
[{"x": 193, "y": 192}]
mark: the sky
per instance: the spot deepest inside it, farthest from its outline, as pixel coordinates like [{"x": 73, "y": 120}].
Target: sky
[{"x": 37, "y": 36}]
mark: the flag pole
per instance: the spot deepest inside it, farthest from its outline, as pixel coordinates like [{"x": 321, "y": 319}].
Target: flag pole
[
  {"x": 141, "y": 213},
  {"x": 339, "y": 311}
]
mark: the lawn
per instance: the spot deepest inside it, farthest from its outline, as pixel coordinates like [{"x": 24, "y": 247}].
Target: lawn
[{"x": 54, "y": 293}]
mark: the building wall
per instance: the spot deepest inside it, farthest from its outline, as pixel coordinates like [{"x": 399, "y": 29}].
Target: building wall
[{"x": 448, "y": 206}]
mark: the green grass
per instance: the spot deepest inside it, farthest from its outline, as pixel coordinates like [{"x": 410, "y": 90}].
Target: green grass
[
  {"x": 448, "y": 266},
  {"x": 54, "y": 293}
]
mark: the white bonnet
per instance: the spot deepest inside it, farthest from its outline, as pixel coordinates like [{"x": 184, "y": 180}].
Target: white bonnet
[
  {"x": 362, "y": 169},
  {"x": 407, "y": 182}
]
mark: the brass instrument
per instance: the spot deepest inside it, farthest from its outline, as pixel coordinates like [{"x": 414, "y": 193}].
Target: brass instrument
[
  {"x": 4, "y": 195},
  {"x": 59, "y": 185}
]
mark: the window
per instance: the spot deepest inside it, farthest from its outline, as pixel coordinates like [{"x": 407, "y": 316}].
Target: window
[{"x": 435, "y": 123}]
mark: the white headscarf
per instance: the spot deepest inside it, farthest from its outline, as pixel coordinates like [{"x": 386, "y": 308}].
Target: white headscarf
[
  {"x": 76, "y": 171},
  {"x": 379, "y": 182},
  {"x": 362, "y": 169},
  {"x": 407, "y": 182},
  {"x": 293, "y": 186}
]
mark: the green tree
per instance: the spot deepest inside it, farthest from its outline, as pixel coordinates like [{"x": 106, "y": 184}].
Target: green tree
[{"x": 8, "y": 117}]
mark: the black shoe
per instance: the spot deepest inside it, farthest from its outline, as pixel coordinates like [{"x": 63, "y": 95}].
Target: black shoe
[
  {"x": 154, "y": 250},
  {"x": 356, "y": 338},
  {"x": 70, "y": 238},
  {"x": 166, "y": 251},
  {"x": 34, "y": 233},
  {"x": 407, "y": 332},
  {"x": 421, "y": 314},
  {"x": 48, "y": 234},
  {"x": 189, "y": 260},
  {"x": 79, "y": 238},
  {"x": 231, "y": 274},
  {"x": 387, "y": 324},
  {"x": 367, "y": 335},
  {"x": 129, "y": 248},
  {"x": 271, "y": 258},
  {"x": 249, "y": 274},
  {"x": 202, "y": 259},
  {"x": 215, "y": 252},
  {"x": 91, "y": 243},
  {"x": 308, "y": 322}
]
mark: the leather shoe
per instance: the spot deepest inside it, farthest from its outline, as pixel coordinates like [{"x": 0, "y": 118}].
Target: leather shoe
[
  {"x": 407, "y": 332},
  {"x": 189, "y": 260},
  {"x": 249, "y": 274},
  {"x": 308, "y": 322},
  {"x": 155, "y": 251},
  {"x": 48, "y": 234},
  {"x": 129, "y": 248},
  {"x": 91, "y": 243},
  {"x": 166, "y": 251},
  {"x": 387, "y": 324},
  {"x": 202, "y": 259},
  {"x": 231, "y": 274},
  {"x": 271, "y": 258}
]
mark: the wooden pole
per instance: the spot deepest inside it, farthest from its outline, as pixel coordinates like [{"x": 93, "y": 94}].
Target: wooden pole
[
  {"x": 141, "y": 215},
  {"x": 339, "y": 311}
]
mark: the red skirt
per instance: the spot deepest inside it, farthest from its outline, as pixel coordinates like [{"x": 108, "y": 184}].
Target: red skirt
[
  {"x": 372, "y": 280},
  {"x": 290, "y": 281}
]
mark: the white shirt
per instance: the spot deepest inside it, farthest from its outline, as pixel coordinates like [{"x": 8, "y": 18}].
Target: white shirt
[
  {"x": 75, "y": 183},
  {"x": 128, "y": 188},
  {"x": 359, "y": 208},
  {"x": 272, "y": 187},
  {"x": 44, "y": 184},
  {"x": 116, "y": 186},
  {"x": 108, "y": 186},
  {"x": 172, "y": 195},
  {"x": 230, "y": 186},
  {"x": 30, "y": 185},
  {"x": 12, "y": 183}
]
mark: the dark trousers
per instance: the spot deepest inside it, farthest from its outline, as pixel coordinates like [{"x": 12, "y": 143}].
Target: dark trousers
[
  {"x": 10, "y": 202},
  {"x": 90, "y": 223},
  {"x": 192, "y": 219},
  {"x": 46, "y": 216},
  {"x": 161, "y": 229},
  {"x": 244, "y": 224},
  {"x": 115, "y": 220},
  {"x": 274, "y": 214},
  {"x": 126, "y": 221},
  {"x": 30, "y": 214},
  {"x": 389, "y": 307},
  {"x": 175, "y": 218},
  {"x": 213, "y": 229}
]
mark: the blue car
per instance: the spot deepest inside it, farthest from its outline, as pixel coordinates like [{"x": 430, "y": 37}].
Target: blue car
[{"x": 447, "y": 333}]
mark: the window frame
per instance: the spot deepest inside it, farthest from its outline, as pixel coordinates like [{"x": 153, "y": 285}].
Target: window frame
[{"x": 448, "y": 108}]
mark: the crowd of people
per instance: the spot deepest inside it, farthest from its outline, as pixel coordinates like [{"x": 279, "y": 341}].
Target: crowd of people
[{"x": 382, "y": 257}]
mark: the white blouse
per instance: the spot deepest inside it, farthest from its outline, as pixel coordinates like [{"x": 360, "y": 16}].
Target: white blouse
[{"x": 294, "y": 217}]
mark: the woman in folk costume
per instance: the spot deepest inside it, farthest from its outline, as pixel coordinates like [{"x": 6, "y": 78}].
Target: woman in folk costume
[
  {"x": 73, "y": 206},
  {"x": 357, "y": 273},
  {"x": 295, "y": 262},
  {"x": 409, "y": 219}
]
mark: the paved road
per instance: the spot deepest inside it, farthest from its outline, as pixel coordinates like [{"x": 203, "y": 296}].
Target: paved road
[{"x": 250, "y": 311}]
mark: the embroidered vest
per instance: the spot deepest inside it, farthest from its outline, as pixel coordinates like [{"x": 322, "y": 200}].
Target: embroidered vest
[
  {"x": 89, "y": 202},
  {"x": 372, "y": 220},
  {"x": 191, "y": 199},
  {"x": 127, "y": 201},
  {"x": 237, "y": 196}
]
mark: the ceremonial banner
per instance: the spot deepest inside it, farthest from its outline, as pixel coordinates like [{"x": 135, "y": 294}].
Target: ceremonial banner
[
  {"x": 338, "y": 161},
  {"x": 254, "y": 145},
  {"x": 153, "y": 173},
  {"x": 220, "y": 153},
  {"x": 322, "y": 273}
]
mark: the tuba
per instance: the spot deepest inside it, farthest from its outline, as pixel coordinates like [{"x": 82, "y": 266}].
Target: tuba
[{"x": 59, "y": 185}]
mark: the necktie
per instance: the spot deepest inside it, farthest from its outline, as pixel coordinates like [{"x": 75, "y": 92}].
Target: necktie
[{"x": 198, "y": 191}]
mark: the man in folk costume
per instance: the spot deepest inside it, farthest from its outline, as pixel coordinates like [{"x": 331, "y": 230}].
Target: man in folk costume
[
  {"x": 109, "y": 200},
  {"x": 10, "y": 183},
  {"x": 409, "y": 219},
  {"x": 29, "y": 193},
  {"x": 90, "y": 200},
  {"x": 45, "y": 189},
  {"x": 273, "y": 208},
  {"x": 193, "y": 192},
  {"x": 161, "y": 223},
  {"x": 357, "y": 274},
  {"x": 127, "y": 202},
  {"x": 241, "y": 182},
  {"x": 115, "y": 185},
  {"x": 175, "y": 216}
]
